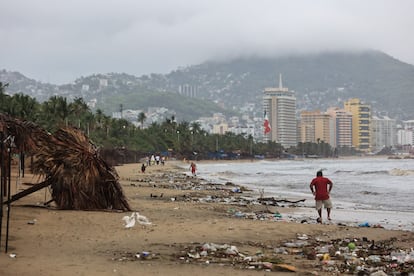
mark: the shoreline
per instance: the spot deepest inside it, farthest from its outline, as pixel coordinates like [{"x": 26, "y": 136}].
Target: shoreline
[
  {"x": 343, "y": 212},
  {"x": 185, "y": 214}
]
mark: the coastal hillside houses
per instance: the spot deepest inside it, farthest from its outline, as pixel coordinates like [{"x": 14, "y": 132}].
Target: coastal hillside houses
[{"x": 337, "y": 126}]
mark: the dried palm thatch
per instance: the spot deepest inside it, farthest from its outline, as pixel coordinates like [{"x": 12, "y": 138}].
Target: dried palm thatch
[{"x": 79, "y": 178}]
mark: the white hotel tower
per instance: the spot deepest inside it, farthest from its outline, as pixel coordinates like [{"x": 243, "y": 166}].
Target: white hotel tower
[{"x": 279, "y": 104}]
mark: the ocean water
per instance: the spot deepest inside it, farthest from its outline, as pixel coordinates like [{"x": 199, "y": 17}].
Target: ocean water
[{"x": 377, "y": 188}]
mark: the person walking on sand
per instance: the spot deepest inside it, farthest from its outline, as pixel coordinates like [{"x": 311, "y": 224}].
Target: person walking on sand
[
  {"x": 321, "y": 187},
  {"x": 193, "y": 168}
]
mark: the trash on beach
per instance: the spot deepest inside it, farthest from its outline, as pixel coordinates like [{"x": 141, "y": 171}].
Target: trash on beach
[
  {"x": 364, "y": 224},
  {"x": 331, "y": 256},
  {"x": 236, "y": 190},
  {"x": 135, "y": 217},
  {"x": 32, "y": 222},
  {"x": 284, "y": 267},
  {"x": 12, "y": 255},
  {"x": 226, "y": 254},
  {"x": 124, "y": 256},
  {"x": 351, "y": 246}
]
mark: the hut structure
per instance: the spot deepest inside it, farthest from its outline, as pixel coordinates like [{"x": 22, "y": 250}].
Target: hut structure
[{"x": 67, "y": 161}]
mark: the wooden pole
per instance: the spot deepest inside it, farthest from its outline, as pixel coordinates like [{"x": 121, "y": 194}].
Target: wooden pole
[
  {"x": 1, "y": 182},
  {"x": 8, "y": 196},
  {"x": 28, "y": 191}
]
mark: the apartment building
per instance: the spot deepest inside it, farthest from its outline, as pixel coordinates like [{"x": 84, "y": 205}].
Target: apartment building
[
  {"x": 361, "y": 123},
  {"x": 279, "y": 104}
]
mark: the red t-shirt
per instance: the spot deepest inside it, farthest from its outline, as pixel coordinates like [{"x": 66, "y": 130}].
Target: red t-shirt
[{"x": 321, "y": 187}]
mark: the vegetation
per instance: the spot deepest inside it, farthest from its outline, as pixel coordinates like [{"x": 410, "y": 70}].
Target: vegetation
[
  {"x": 181, "y": 140},
  {"x": 137, "y": 98}
]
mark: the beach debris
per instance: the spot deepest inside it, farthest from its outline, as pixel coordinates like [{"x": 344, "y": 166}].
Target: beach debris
[
  {"x": 258, "y": 215},
  {"x": 364, "y": 224},
  {"x": 284, "y": 267},
  {"x": 135, "y": 217},
  {"x": 225, "y": 254},
  {"x": 236, "y": 190},
  {"x": 352, "y": 256},
  {"x": 333, "y": 257},
  {"x": 275, "y": 202},
  {"x": 125, "y": 256},
  {"x": 156, "y": 196},
  {"x": 12, "y": 255},
  {"x": 144, "y": 255}
]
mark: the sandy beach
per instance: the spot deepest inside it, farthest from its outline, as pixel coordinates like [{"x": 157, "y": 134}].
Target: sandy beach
[{"x": 192, "y": 228}]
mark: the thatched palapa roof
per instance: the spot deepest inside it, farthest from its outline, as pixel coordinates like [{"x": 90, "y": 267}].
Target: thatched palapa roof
[{"x": 79, "y": 178}]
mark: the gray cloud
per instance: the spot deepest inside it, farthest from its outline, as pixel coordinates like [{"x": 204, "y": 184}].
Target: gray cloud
[{"x": 58, "y": 41}]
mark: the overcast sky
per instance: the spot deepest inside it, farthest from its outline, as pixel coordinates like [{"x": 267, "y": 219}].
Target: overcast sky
[{"x": 58, "y": 41}]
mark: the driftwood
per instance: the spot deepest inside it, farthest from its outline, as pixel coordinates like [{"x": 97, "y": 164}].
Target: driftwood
[
  {"x": 28, "y": 191},
  {"x": 274, "y": 202}
]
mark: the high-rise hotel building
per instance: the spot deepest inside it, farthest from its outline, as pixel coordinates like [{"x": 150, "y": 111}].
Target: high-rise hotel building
[
  {"x": 279, "y": 105},
  {"x": 361, "y": 123},
  {"x": 316, "y": 127},
  {"x": 384, "y": 132},
  {"x": 342, "y": 127}
]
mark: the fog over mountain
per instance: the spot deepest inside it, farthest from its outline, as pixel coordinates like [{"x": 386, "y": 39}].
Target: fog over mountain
[
  {"x": 59, "y": 41},
  {"x": 319, "y": 80}
]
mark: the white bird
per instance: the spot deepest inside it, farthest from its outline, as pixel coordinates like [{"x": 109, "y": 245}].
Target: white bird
[
  {"x": 142, "y": 219},
  {"x": 133, "y": 218},
  {"x": 129, "y": 221}
]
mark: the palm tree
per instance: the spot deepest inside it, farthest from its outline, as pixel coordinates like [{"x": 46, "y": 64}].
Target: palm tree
[
  {"x": 4, "y": 99},
  {"x": 142, "y": 118},
  {"x": 55, "y": 112},
  {"x": 24, "y": 107}
]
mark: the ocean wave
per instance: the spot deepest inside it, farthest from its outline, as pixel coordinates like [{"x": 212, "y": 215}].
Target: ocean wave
[
  {"x": 400, "y": 172},
  {"x": 369, "y": 193},
  {"x": 373, "y": 172},
  {"x": 227, "y": 174},
  {"x": 380, "y": 172},
  {"x": 343, "y": 171}
]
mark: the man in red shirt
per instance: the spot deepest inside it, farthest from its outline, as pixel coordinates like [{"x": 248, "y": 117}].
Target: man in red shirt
[{"x": 321, "y": 188}]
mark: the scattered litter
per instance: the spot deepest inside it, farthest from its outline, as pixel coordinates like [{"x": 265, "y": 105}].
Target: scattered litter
[
  {"x": 364, "y": 224},
  {"x": 284, "y": 267}
]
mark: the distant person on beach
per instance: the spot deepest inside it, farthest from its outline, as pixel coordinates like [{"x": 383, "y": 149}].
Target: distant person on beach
[
  {"x": 321, "y": 187},
  {"x": 143, "y": 168},
  {"x": 193, "y": 168}
]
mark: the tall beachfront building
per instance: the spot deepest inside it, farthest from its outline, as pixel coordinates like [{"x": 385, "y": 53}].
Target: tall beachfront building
[
  {"x": 279, "y": 105},
  {"x": 361, "y": 123},
  {"x": 315, "y": 127},
  {"x": 342, "y": 127},
  {"x": 384, "y": 132}
]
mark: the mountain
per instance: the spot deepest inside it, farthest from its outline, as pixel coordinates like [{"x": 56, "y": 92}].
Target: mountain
[
  {"x": 109, "y": 91},
  {"x": 319, "y": 80}
]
